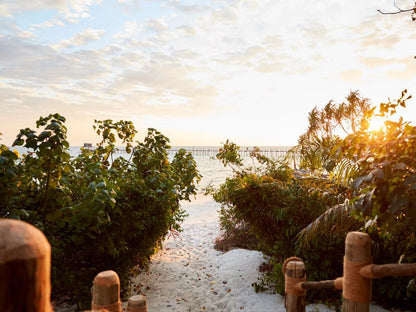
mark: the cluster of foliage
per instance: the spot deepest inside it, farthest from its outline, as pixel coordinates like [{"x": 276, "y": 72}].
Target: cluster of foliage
[
  {"x": 326, "y": 126},
  {"x": 379, "y": 166},
  {"x": 98, "y": 211},
  {"x": 369, "y": 184},
  {"x": 386, "y": 178},
  {"x": 274, "y": 204}
]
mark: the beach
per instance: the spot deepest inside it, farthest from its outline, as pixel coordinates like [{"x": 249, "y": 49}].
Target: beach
[{"x": 188, "y": 274}]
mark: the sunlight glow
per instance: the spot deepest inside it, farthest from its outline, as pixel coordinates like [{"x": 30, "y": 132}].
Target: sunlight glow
[{"x": 376, "y": 124}]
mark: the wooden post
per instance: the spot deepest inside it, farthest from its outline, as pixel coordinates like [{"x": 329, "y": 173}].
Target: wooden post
[
  {"x": 106, "y": 292},
  {"x": 356, "y": 290},
  {"x": 137, "y": 304},
  {"x": 25, "y": 266},
  {"x": 294, "y": 271}
]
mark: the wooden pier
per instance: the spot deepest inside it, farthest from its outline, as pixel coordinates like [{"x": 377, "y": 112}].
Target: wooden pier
[{"x": 269, "y": 151}]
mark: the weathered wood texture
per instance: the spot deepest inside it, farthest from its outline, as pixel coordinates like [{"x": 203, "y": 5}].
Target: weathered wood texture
[
  {"x": 356, "y": 290},
  {"x": 25, "y": 264},
  {"x": 393, "y": 269},
  {"x": 316, "y": 285},
  {"x": 137, "y": 304},
  {"x": 106, "y": 292},
  {"x": 357, "y": 276},
  {"x": 294, "y": 271}
]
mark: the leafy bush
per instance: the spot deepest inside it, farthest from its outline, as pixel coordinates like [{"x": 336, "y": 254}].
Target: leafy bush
[
  {"x": 98, "y": 211},
  {"x": 275, "y": 206},
  {"x": 380, "y": 168},
  {"x": 326, "y": 125},
  {"x": 371, "y": 188},
  {"x": 387, "y": 177}
]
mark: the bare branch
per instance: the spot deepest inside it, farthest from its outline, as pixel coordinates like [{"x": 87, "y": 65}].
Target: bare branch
[{"x": 399, "y": 10}]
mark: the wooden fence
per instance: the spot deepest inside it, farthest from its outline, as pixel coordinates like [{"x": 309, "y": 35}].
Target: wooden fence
[
  {"x": 25, "y": 266},
  {"x": 355, "y": 282}
]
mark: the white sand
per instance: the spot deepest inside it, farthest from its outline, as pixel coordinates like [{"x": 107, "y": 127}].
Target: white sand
[{"x": 188, "y": 274}]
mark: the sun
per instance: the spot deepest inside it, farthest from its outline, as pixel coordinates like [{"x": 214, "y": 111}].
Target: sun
[{"x": 376, "y": 124}]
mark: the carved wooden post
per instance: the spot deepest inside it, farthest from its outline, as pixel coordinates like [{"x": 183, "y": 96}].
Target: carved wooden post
[
  {"x": 25, "y": 265},
  {"x": 294, "y": 271},
  {"x": 137, "y": 304},
  {"x": 356, "y": 289},
  {"x": 106, "y": 292}
]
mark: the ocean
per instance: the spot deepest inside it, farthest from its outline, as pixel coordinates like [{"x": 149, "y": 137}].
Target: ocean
[{"x": 212, "y": 170}]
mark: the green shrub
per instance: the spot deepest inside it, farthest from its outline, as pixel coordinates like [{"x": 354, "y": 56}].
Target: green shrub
[
  {"x": 275, "y": 206},
  {"x": 387, "y": 177},
  {"x": 378, "y": 171},
  {"x": 98, "y": 212}
]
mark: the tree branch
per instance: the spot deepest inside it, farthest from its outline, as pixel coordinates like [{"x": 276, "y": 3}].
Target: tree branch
[{"x": 400, "y": 10}]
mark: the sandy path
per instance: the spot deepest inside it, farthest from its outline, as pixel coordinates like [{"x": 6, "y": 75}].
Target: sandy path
[{"x": 189, "y": 275}]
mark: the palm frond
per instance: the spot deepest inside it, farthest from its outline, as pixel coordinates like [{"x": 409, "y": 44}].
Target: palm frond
[
  {"x": 336, "y": 221},
  {"x": 345, "y": 172}
]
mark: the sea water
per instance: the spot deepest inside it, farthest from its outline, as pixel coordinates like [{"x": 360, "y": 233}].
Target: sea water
[{"x": 212, "y": 170}]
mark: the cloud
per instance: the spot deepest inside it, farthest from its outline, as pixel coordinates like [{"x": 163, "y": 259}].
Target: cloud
[
  {"x": 259, "y": 58},
  {"x": 8, "y": 28},
  {"x": 270, "y": 67},
  {"x": 272, "y": 41},
  {"x": 48, "y": 24},
  {"x": 130, "y": 30},
  {"x": 41, "y": 65},
  {"x": 14, "y": 51},
  {"x": 380, "y": 40},
  {"x": 189, "y": 9},
  {"x": 374, "y": 62},
  {"x": 156, "y": 25},
  {"x": 187, "y": 30},
  {"x": 162, "y": 85},
  {"x": 81, "y": 38},
  {"x": 182, "y": 59},
  {"x": 185, "y": 54},
  {"x": 72, "y": 10},
  {"x": 351, "y": 75},
  {"x": 224, "y": 15},
  {"x": 314, "y": 30},
  {"x": 405, "y": 70},
  {"x": 380, "y": 32},
  {"x": 26, "y": 34},
  {"x": 165, "y": 76},
  {"x": 10, "y": 7}
]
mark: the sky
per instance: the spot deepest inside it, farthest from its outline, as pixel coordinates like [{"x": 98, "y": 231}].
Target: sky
[{"x": 201, "y": 72}]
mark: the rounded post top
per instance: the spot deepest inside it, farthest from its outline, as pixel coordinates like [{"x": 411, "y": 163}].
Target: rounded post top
[
  {"x": 295, "y": 265},
  {"x": 20, "y": 240},
  {"x": 358, "y": 247},
  {"x": 357, "y": 237},
  {"x": 137, "y": 301},
  {"x": 106, "y": 278}
]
